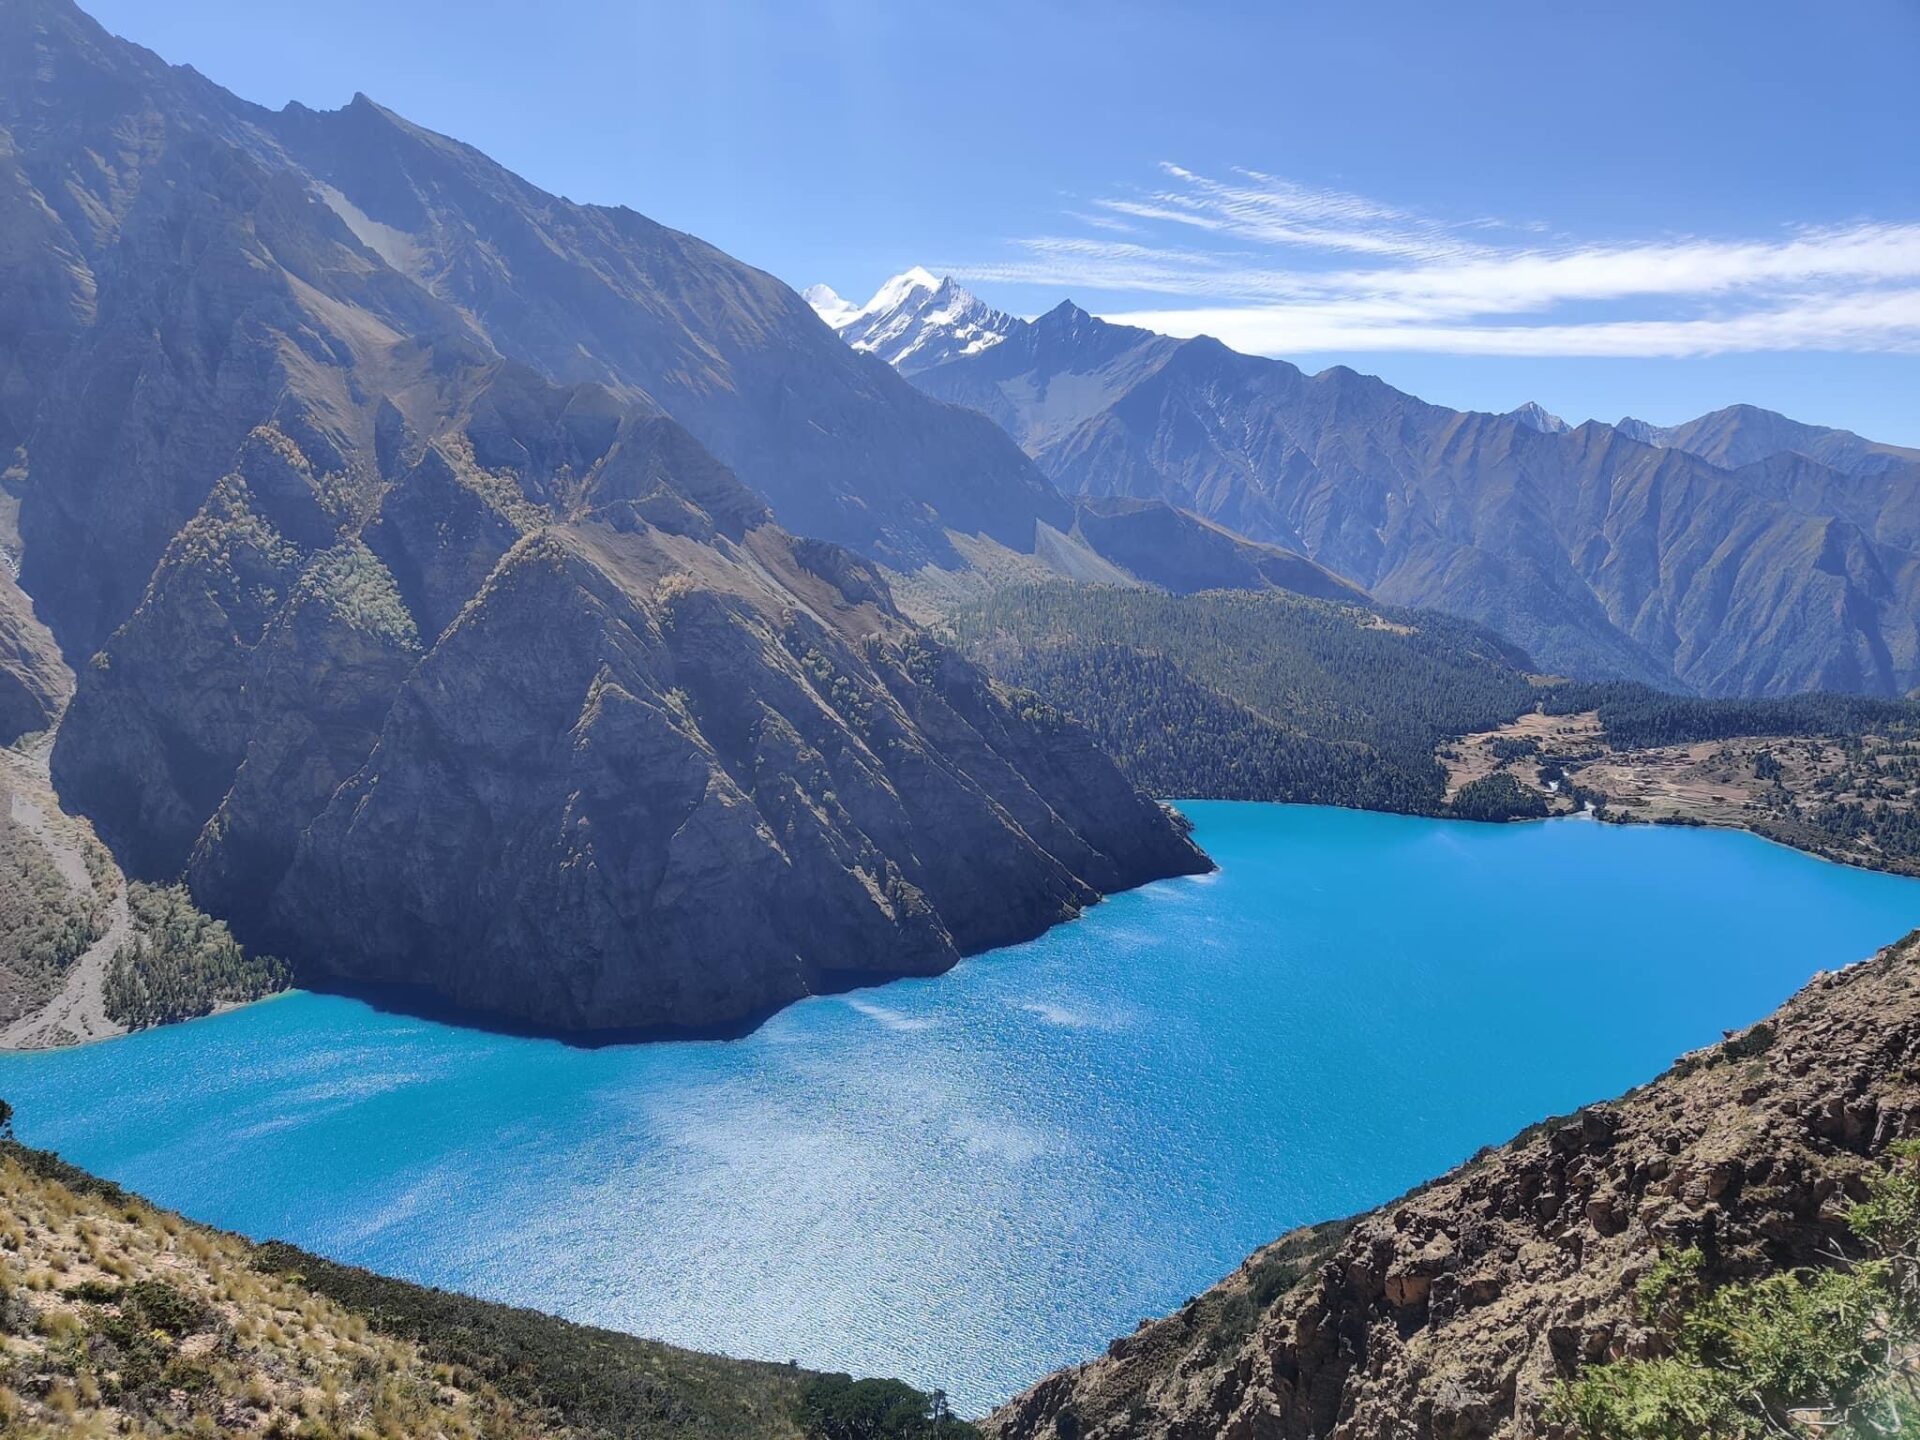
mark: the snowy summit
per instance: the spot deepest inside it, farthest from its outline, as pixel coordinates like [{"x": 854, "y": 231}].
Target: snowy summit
[{"x": 915, "y": 321}]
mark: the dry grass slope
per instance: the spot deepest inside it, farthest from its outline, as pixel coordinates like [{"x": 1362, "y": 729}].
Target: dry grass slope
[{"x": 117, "y": 1318}]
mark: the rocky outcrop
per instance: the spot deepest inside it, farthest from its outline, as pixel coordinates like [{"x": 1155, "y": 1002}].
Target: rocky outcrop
[
  {"x": 1452, "y": 1313},
  {"x": 35, "y": 683},
  {"x": 650, "y": 780},
  {"x": 663, "y": 766}
]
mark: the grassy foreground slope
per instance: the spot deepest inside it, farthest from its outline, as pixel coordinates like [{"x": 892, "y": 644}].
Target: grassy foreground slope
[{"x": 118, "y": 1318}]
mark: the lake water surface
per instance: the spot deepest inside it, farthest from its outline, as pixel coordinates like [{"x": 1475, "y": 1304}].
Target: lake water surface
[{"x": 970, "y": 1180}]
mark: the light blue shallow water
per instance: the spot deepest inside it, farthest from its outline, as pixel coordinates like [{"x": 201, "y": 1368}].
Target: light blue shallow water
[{"x": 970, "y": 1180}]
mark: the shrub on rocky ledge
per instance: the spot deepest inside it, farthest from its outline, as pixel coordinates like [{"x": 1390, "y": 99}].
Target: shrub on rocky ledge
[{"x": 1830, "y": 1352}]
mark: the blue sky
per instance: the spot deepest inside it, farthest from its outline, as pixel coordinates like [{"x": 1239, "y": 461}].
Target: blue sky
[{"x": 1653, "y": 209}]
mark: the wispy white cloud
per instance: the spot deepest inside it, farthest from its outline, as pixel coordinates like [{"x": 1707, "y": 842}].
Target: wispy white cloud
[
  {"x": 1275, "y": 265},
  {"x": 1884, "y": 322},
  {"x": 1104, "y": 222},
  {"x": 1273, "y": 211}
]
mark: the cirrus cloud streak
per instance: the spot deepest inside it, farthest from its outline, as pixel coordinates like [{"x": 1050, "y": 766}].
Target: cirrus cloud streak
[{"x": 1272, "y": 265}]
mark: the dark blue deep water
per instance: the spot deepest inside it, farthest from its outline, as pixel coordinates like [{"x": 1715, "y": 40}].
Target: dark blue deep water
[{"x": 970, "y": 1180}]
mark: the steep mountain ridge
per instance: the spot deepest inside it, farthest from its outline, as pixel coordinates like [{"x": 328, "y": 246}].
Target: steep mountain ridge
[
  {"x": 401, "y": 649},
  {"x": 1595, "y": 553},
  {"x": 1536, "y": 416},
  {"x": 839, "y": 446},
  {"x": 118, "y": 288}
]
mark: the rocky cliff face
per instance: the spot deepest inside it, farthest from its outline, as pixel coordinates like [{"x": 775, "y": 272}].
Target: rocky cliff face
[
  {"x": 693, "y": 769},
  {"x": 1595, "y": 552},
  {"x": 35, "y": 682},
  {"x": 1452, "y": 1313},
  {"x": 661, "y": 765},
  {"x": 429, "y": 668}
]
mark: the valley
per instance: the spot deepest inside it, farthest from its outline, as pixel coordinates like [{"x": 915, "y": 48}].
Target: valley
[{"x": 596, "y": 846}]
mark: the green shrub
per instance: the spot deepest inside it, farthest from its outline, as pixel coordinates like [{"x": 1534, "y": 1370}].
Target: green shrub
[
  {"x": 838, "y": 1407},
  {"x": 1832, "y": 1352}
]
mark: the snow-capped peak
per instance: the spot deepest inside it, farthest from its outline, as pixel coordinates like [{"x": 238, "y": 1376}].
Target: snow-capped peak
[
  {"x": 901, "y": 289},
  {"x": 915, "y": 321},
  {"x": 1537, "y": 417},
  {"x": 829, "y": 306}
]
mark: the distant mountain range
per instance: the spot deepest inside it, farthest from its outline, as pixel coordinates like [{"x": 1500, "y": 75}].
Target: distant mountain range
[
  {"x": 392, "y": 514},
  {"x": 1742, "y": 553}
]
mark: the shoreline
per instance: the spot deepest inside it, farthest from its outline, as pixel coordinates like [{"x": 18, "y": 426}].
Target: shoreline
[{"x": 421, "y": 1005}]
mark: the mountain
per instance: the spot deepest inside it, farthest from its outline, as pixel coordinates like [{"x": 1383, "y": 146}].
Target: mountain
[
  {"x": 435, "y": 241},
  {"x": 1742, "y": 435},
  {"x": 1462, "y": 1308},
  {"x": 1597, "y": 553},
  {"x": 1536, "y": 417},
  {"x": 420, "y": 628},
  {"x": 915, "y": 321}
]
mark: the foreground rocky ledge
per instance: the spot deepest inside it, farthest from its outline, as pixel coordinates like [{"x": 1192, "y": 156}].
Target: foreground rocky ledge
[{"x": 1455, "y": 1311}]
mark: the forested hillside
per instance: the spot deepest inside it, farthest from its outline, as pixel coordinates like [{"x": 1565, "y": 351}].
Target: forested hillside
[
  {"x": 1254, "y": 697},
  {"x": 1636, "y": 716},
  {"x": 1234, "y": 696}
]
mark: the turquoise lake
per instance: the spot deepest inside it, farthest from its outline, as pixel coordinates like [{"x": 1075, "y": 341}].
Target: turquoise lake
[{"x": 970, "y": 1180}]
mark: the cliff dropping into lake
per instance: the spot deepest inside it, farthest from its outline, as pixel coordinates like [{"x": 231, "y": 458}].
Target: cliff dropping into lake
[{"x": 359, "y": 481}]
